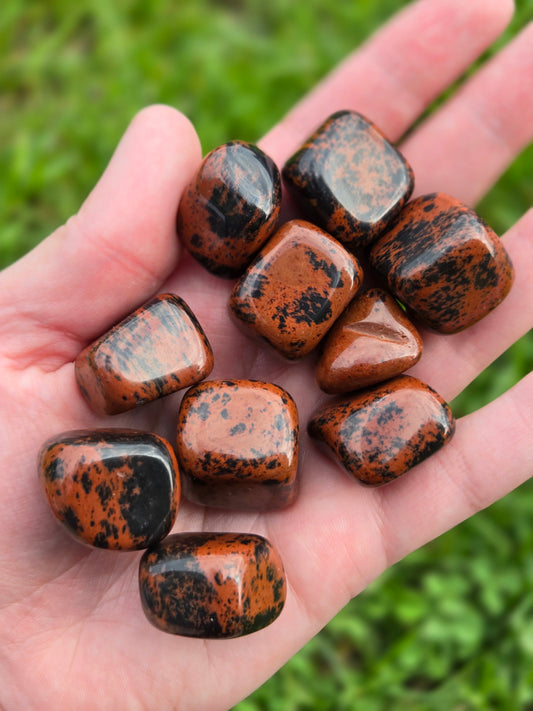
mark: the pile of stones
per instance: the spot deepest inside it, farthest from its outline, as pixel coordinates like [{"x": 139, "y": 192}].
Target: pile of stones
[{"x": 301, "y": 284}]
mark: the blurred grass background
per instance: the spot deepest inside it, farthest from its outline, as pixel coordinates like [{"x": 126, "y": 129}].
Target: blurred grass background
[{"x": 451, "y": 627}]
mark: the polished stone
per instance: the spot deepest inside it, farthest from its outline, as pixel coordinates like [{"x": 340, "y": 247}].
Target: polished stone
[
  {"x": 158, "y": 349},
  {"x": 237, "y": 445},
  {"x": 116, "y": 489},
  {"x": 212, "y": 585},
  {"x": 230, "y": 208},
  {"x": 296, "y": 287},
  {"x": 351, "y": 178},
  {"x": 443, "y": 263},
  {"x": 372, "y": 341},
  {"x": 380, "y": 433}
]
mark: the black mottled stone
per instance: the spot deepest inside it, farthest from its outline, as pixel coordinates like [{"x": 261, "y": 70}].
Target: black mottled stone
[
  {"x": 212, "y": 585},
  {"x": 351, "y": 180},
  {"x": 230, "y": 208},
  {"x": 118, "y": 489}
]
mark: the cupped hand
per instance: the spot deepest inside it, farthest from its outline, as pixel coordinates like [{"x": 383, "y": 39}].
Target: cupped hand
[{"x": 72, "y": 631}]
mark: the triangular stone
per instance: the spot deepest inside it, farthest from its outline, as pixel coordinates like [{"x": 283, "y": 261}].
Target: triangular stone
[{"x": 373, "y": 340}]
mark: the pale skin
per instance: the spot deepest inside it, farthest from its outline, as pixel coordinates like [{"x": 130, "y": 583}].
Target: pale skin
[{"x": 69, "y": 615}]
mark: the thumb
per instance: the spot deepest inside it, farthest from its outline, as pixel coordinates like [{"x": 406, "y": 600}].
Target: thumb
[{"x": 108, "y": 258}]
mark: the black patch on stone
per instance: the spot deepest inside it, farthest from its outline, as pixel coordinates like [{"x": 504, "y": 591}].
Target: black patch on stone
[
  {"x": 279, "y": 422},
  {"x": 311, "y": 308},
  {"x": 145, "y": 498},
  {"x": 100, "y": 540},
  {"x": 72, "y": 521},
  {"x": 326, "y": 267},
  {"x": 202, "y": 410},
  {"x": 258, "y": 284},
  {"x": 86, "y": 482},
  {"x": 55, "y": 469},
  {"x": 185, "y": 601},
  {"x": 104, "y": 493},
  {"x": 241, "y": 427}
]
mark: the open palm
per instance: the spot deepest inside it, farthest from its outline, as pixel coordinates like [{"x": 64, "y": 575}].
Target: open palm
[{"x": 72, "y": 632}]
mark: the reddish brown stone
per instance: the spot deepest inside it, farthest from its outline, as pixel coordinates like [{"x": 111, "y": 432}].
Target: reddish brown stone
[
  {"x": 380, "y": 433},
  {"x": 351, "y": 178},
  {"x": 212, "y": 585},
  {"x": 444, "y": 263},
  {"x": 237, "y": 445},
  {"x": 372, "y": 341},
  {"x": 158, "y": 349},
  {"x": 295, "y": 288},
  {"x": 115, "y": 489},
  {"x": 230, "y": 208}
]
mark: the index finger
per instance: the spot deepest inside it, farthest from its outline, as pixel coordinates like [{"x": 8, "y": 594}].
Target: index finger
[{"x": 394, "y": 76}]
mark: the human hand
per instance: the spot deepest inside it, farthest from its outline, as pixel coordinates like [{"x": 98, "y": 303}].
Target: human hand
[{"x": 72, "y": 633}]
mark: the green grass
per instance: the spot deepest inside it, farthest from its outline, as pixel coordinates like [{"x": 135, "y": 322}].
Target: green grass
[{"x": 451, "y": 627}]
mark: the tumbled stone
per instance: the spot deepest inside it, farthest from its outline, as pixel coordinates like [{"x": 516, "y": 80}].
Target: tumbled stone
[
  {"x": 372, "y": 341},
  {"x": 158, "y": 349},
  {"x": 351, "y": 178},
  {"x": 443, "y": 263},
  {"x": 230, "y": 208},
  {"x": 116, "y": 489},
  {"x": 380, "y": 433},
  {"x": 212, "y": 585},
  {"x": 237, "y": 445},
  {"x": 295, "y": 288}
]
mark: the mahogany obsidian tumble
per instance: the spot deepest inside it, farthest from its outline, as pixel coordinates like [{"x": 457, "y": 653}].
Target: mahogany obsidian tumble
[
  {"x": 115, "y": 489},
  {"x": 380, "y": 433},
  {"x": 372, "y": 341},
  {"x": 296, "y": 287},
  {"x": 230, "y": 208},
  {"x": 353, "y": 180},
  {"x": 444, "y": 263},
  {"x": 237, "y": 445},
  {"x": 158, "y": 349},
  {"x": 212, "y": 585}
]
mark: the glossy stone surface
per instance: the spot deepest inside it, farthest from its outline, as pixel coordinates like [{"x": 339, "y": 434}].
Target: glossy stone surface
[
  {"x": 351, "y": 178},
  {"x": 230, "y": 208},
  {"x": 372, "y": 341},
  {"x": 296, "y": 287},
  {"x": 380, "y": 433},
  {"x": 116, "y": 489},
  {"x": 212, "y": 585},
  {"x": 237, "y": 445},
  {"x": 158, "y": 349},
  {"x": 444, "y": 263}
]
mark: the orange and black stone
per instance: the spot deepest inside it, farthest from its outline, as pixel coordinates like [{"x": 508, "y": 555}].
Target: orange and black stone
[
  {"x": 212, "y": 585},
  {"x": 158, "y": 349},
  {"x": 443, "y": 263},
  {"x": 237, "y": 445},
  {"x": 351, "y": 179},
  {"x": 230, "y": 208},
  {"x": 296, "y": 287},
  {"x": 372, "y": 341},
  {"x": 116, "y": 489},
  {"x": 380, "y": 433}
]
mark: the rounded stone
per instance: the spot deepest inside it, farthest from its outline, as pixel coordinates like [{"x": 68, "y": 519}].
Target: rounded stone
[
  {"x": 237, "y": 445},
  {"x": 353, "y": 181},
  {"x": 230, "y": 208},
  {"x": 444, "y": 263},
  {"x": 212, "y": 585},
  {"x": 296, "y": 287},
  {"x": 153, "y": 352},
  {"x": 380, "y": 433},
  {"x": 373, "y": 340},
  {"x": 116, "y": 489}
]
